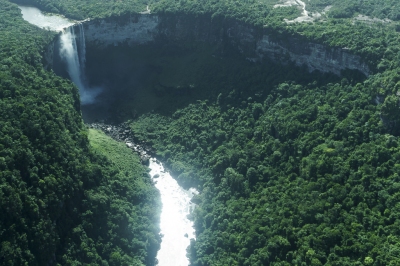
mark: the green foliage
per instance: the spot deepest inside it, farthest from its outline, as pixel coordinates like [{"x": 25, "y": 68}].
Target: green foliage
[
  {"x": 291, "y": 171},
  {"x": 128, "y": 231},
  {"x": 89, "y": 8},
  {"x": 306, "y": 184},
  {"x": 167, "y": 77},
  {"x": 60, "y": 201},
  {"x": 346, "y": 8},
  {"x": 373, "y": 41}
]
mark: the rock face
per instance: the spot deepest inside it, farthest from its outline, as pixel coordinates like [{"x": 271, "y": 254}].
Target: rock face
[
  {"x": 139, "y": 29},
  {"x": 314, "y": 56},
  {"x": 254, "y": 43}
]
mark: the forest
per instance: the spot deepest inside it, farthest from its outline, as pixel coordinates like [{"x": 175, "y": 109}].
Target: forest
[
  {"x": 64, "y": 200},
  {"x": 294, "y": 168}
]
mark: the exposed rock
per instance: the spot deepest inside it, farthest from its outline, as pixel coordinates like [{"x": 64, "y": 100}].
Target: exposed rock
[
  {"x": 254, "y": 43},
  {"x": 128, "y": 144},
  {"x": 123, "y": 133},
  {"x": 137, "y": 29},
  {"x": 369, "y": 20}
]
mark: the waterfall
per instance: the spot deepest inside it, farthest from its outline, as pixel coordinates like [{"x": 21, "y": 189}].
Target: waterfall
[
  {"x": 73, "y": 51},
  {"x": 82, "y": 49}
]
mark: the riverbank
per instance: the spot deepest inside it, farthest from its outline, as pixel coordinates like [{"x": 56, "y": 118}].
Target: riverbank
[
  {"x": 177, "y": 204},
  {"x": 123, "y": 133}
]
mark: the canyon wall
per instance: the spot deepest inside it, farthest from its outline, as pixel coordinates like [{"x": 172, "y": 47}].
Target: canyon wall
[{"x": 253, "y": 43}]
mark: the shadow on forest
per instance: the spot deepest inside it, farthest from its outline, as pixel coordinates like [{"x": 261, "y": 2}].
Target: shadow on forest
[{"x": 163, "y": 78}]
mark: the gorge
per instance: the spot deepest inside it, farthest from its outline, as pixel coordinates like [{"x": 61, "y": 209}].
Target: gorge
[
  {"x": 66, "y": 55},
  {"x": 291, "y": 137},
  {"x": 106, "y": 38},
  {"x": 176, "y": 229},
  {"x": 154, "y": 33}
]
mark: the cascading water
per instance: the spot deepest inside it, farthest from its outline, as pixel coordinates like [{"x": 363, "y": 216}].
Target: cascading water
[
  {"x": 73, "y": 51},
  {"x": 176, "y": 228},
  {"x": 69, "y": 52},
  {"x": 82, "y": 49}
]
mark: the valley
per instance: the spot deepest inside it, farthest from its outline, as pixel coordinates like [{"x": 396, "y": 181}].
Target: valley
[{"x": 288, "y": 131}]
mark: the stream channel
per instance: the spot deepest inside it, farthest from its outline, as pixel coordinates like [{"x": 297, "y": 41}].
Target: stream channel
[{"x": 176, "y": 228}]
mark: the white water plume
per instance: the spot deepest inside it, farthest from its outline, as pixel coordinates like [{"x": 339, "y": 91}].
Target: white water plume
[{"x": 75, "y": 58}]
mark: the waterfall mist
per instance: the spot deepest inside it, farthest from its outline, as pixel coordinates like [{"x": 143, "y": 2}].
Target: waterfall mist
[{"x": 73, "y": 52}]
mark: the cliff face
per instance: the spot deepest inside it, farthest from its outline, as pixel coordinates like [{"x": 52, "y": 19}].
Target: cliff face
[
  {"x": 257, "y": 44},
  {"x": 315, "y": 56},
  {"x": 254, "y": 43},
  {"x": 138, "y": 29}
]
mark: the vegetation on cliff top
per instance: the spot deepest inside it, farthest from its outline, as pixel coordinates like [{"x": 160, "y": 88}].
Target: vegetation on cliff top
[
  {"x": 246, "y": 10},
  {"x": 294, "y": 169},
  {"x": 375, "y": 42}
]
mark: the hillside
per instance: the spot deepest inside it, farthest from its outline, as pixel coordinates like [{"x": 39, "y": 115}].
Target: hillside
[
  {"x": 62, "y": 201},
  {"x": 294, "y": 168}
]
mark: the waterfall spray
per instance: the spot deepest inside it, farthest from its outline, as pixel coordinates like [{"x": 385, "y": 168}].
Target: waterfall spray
[{"x": 73, "y": 51}]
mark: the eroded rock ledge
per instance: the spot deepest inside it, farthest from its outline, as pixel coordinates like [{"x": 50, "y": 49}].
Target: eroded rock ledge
[{"x": 254, "y": 43}]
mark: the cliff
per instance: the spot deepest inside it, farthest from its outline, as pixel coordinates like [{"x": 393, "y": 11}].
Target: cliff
[{"x": 254, "y": 43}]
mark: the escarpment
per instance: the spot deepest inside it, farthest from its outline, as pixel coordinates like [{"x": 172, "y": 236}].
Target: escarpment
[{"x": 254, "y": 43}]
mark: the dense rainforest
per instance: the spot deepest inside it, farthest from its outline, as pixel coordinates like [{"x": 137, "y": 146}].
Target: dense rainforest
[
  {"x": 63, "y": 200},
  {"x": 294, "y": 168}
]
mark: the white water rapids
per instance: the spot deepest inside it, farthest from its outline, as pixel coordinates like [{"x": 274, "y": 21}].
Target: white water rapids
[{"x": 176, "y": 228}]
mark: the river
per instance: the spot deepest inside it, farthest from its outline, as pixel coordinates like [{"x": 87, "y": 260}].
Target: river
[
  {"x": 176, "y": 228},
  {"x": 52, "y": 22}
]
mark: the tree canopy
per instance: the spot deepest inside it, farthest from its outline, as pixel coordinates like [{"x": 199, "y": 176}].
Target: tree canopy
[
  {"x": 61, "y": 200},
  {"x": 294, "y": 168}
]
